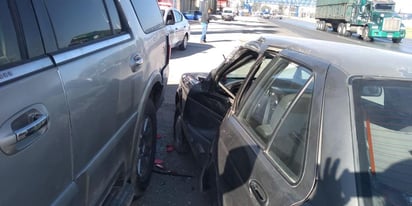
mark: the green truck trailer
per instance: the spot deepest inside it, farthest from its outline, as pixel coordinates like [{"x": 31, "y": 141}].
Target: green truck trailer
[{"x": 368, "y": 19}]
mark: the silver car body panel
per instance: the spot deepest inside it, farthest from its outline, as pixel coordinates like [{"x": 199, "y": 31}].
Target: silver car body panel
[
  {"x": 36, "y": 89},
  {"x": 91, "y": 99}
]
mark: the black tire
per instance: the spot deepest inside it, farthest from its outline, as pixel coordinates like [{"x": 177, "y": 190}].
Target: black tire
[
  {"x": 396, "y": 40},
  {"x": 183, "y": 45},
  {"x": 345, "y": 32},
  {"x": 365, "y": 34},
  {"x": 340, "y": 29},
  {"x": 335, "y": 27},
  {"x": 146, "y": 148},
  {"x": 323, "y": 26},
  {"x": 179, "y": 140}
]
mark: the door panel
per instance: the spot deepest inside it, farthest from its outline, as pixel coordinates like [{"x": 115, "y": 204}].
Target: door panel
[
  {"x": 98, "y": 65},
  {"x": 100, "y": 93},
  {"x": 180, "y": 25},
  {"x": 266, "y": 143},
  {"x": 42, "y": 157},
  {"x": 257, "y": 181},
  {"x": 211, "y": 108}
]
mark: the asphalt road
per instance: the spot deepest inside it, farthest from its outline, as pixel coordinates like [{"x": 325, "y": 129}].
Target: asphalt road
[
  {"x": 179, "y": 189},
  {"x": 306, "y": 28}
]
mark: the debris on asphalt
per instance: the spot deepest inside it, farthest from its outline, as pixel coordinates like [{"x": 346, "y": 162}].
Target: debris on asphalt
[
  {"x": 170, "y": 148},
  {"x": 158, "y": 161},
  {"x": 161, "y": 169}
]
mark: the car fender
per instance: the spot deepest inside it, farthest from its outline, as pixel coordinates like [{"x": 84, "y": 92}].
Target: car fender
[{"x": 154, "y": 84}]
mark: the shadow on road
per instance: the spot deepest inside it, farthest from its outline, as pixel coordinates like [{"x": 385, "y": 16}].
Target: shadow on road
[
  {"x": 192, "y": 48},
  {"x": 244, "y": 31},
  {"x": 247, "y": 24},
  {"x": 179, "y": 188}
]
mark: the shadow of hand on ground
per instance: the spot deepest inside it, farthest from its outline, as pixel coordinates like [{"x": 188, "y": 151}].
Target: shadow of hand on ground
[{"x": 334, "y": 185}]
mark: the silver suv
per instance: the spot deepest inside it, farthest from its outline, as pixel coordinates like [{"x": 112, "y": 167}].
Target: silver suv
[{"x": 80, "y": 83}]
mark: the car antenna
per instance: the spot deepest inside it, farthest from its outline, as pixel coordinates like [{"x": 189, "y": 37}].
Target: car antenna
[{"x": 224, "y": 57}]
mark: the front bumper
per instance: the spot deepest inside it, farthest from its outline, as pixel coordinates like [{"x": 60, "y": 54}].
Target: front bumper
[{"x": 384, "y": 34}]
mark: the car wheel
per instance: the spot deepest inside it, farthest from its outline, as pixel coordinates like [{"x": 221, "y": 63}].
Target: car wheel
[
  {"x": 396, "y": 40},
  {"x": 179, "y": 139},
  {"x": 183, "y": 45},
  {"x": 340, "y": 28},
  {"x": 146, "y": 148},
  {"x": 345, "y": 32},
  {"x": 322, "y": 26}
]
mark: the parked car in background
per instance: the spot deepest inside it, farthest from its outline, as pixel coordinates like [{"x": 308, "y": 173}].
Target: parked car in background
[
  {"x": 228, "y": 14},
  {"x": 80, "y": 88},
  {"x": 178, "y": 27},
  {"x": 315, "y": 126},
  {"x": 277, "y": 16},
  {"x": 266, "y": 15},
  {"x": 193, "y": 15}
]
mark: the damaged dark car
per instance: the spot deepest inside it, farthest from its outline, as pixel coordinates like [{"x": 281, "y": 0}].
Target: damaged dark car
[{"x": 202, "y": 99}]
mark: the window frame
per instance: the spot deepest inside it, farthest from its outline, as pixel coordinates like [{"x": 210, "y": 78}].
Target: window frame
[
  {"x": 23, "y": 49},
  {"x": 283, "y": 172},
  {"x": 265, "y": 147},
  {"x": 141, "y": 18},
  {"x": 110, "y": 27}
]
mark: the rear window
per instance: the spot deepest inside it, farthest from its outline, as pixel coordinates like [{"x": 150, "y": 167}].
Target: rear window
[
  {"x": 149, "y": 15},
  {"x": 384, "y": 131},
  {"x": 9, "y": 46},
  {"x": 78, "y": 22}
]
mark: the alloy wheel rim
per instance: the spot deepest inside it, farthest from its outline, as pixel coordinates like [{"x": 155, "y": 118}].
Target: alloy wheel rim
[{"x": 145, "y": 148}]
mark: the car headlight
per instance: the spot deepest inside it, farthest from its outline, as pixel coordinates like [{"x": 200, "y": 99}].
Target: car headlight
[
  {"x": 403, "y": 28},
  {"x": 382, "y": 15},
  {"x": 375, "y": 27}
]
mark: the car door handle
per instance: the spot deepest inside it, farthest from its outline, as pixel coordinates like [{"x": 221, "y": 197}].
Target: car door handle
[
  {"x": 40, "y": 121},
  {"x": 22, "y": 129},
  {"x": 135, "y": 61},
  {"x": 258, "y": 191}
]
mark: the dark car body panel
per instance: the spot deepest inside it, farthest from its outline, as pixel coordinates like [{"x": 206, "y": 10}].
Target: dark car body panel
[
  {"x": 243, "y": 166},
  {"x": 246, "y": 158},
  {"x": 203, "y": 106}
]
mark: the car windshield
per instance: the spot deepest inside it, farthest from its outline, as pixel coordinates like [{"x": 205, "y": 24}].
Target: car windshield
[
  {"x": 389, "y": 7},
  {"x": 383, "y": 111}
]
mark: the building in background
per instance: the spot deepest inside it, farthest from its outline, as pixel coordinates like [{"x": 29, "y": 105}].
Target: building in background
[{"x": 301, "y": 8}]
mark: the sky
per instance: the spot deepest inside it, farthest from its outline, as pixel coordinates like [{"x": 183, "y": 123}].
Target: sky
[{"x": 404, "y": 5}]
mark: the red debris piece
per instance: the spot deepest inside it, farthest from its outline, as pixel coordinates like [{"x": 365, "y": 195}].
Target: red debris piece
[
  {"x": 158, "y": 161},
  {"x": 158, "y": 136},
  {"x": 170, "y": 148}
]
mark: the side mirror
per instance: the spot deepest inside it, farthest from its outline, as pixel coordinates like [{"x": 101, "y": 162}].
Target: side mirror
[{"x": 371, "y": 91}]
